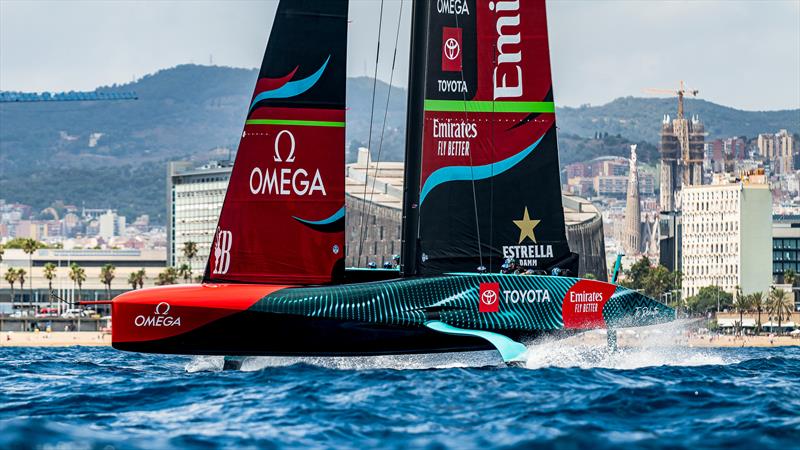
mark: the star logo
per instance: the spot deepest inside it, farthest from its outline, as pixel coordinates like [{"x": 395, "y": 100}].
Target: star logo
[{"x": 526, "y": 226}]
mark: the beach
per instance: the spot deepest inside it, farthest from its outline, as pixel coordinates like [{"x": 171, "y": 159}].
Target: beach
[
  {"x": 54, "y": 339},
  {"x": 626, "y": 339}
]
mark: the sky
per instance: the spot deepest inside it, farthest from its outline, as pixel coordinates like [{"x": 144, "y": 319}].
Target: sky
[{"x": 744, "y": 54}]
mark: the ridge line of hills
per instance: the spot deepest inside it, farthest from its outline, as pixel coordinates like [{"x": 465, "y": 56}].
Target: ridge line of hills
[{"x": 113, "y": 154}]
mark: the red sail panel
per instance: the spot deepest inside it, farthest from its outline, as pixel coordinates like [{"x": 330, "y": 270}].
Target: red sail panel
[
  {"x": 283, "y": 216},
  {"x": 489, "y": 184}
]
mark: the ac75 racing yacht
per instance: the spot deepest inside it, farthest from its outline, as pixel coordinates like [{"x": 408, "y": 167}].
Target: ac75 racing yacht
[{"x": 481, "y": 186}]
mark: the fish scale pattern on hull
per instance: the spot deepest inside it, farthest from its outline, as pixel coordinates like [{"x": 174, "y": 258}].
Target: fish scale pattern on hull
[{"x": 525, "y": 303}]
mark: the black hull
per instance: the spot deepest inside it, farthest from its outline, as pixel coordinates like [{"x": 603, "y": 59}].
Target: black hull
[{"x": 251, "y": 333}]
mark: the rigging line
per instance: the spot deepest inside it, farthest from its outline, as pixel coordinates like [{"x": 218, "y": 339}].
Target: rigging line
[
  {"x": 385, "y": 110},
  {"x": 491, "y": 180},
  {"x": 369, "y": 139},
  {"x": 471, "y": 165}
]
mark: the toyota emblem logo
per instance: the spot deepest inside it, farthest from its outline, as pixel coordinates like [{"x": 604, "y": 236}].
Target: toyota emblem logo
[
  {"x": 451, "y": 49},
  {"x": 162, "y": 309},
  {"x": 488, "y": 297}
]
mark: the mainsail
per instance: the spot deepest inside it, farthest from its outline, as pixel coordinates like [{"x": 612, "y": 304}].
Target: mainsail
[
  {"x": 489, "y": 184},
  {"x": 283, "y": 216}
]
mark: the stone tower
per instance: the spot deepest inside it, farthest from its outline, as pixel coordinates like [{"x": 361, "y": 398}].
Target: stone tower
[{"x": 632, "y": 237}]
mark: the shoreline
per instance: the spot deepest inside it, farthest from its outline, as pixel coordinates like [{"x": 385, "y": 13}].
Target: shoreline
[{"x": 99, "y": 339}]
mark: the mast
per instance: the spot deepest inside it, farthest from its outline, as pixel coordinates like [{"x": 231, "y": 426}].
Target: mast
[{"x": 414, "y": 125}]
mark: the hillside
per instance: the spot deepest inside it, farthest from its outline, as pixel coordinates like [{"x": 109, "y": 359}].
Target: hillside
[
  {"x": 113, "y": 154},
  {"x": 639, "y": 119}
]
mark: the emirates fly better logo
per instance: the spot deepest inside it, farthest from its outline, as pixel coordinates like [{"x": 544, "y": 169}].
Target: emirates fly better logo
[
  {"x": 489, "y": 297},
  {"x": 451, "y": 49}
]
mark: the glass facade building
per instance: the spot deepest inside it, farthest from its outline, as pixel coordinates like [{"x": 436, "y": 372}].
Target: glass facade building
[
  {"x": 194, "y": 200},
  {"x": 785, "y": 246}
]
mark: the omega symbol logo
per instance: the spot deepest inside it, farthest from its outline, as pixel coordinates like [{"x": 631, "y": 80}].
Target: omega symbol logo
[
  {"x": 488, "y": 297},
  {"x": 162, "y": 309},
  {"x": 222, "y": 251},
  {"x": 451, "y": 49},
  {"x": 277, "y": 157}
]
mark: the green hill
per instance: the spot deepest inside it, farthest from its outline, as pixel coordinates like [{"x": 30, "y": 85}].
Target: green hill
[
  {"x": 639, "y": 119},
  {"x": 114, "y": 154}
]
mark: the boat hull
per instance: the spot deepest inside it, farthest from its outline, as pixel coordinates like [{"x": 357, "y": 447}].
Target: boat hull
[{"x": 374, "y": 318}]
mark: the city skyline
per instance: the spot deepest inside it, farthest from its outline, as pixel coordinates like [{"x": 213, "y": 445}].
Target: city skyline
[{"x": 88, "y": 44}]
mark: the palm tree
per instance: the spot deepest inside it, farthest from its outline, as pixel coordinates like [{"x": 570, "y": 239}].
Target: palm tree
[
  {"x": 49, "y": 272},
  {"x": 789, "y": 276},
  {"x": 21, "y": 277},
  {"x": 11, "y": 276},
  {"x": 185, "y": 272},
  {"x": 140, "y": 277},
  {"x": 2, "y": 251},
  {"x": 757, "y": 302},
  {"x": 107, "y": 276},
  {"x": 78, "y": 275},
  {"x": 29, "y": 246},
  {"x": 168, "y": 276},
  {"x": 741, "y": 303},
  {"x": 779, "y": 304},
  {"x": 133, "y": 280},
  {"x": 190, "y": 251}
]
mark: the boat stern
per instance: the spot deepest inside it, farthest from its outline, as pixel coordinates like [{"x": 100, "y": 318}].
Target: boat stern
[{"x": 161, "y": 319}]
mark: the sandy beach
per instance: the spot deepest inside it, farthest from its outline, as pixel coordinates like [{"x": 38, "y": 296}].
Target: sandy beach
[
  {"x": 95, "y": 339},
  {"x": 747, "y": 341},
  {"x": 54, "y": 339}
]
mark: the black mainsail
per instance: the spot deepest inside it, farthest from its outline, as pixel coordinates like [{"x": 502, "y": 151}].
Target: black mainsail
[{"x": 488, "y": 186}]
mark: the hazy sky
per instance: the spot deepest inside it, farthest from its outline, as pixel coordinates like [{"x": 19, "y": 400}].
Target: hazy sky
[{"x": 744, "y": 54}]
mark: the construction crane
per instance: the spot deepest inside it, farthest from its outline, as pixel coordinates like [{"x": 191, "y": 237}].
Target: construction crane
[
  {"x": 28, "y": 97},
  {"x": 680, "y": 92}
]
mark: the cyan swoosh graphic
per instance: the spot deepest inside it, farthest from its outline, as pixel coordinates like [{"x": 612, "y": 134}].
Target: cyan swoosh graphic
[
  {"x": 336, "y": 216},
  {"x": 464, "y": 173},
  {"x": 292, "y": 88}
]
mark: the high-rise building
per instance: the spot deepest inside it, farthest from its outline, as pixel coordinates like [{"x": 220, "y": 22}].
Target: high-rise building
[
  {"x": 727, "y": 235},
  {"x": 785, "y": 246},
  {"x": 779, "y": 150},
  {"x": 632, "y": 239},
  {"x": 194, "y": 200},
  {"x": 110, "y": 225},
  {"x": 785, "y": 151},
  {"x": 766, "y": 145}
]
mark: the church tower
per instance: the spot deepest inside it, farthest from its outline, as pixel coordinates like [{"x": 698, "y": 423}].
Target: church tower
[{"x": 632, "y": 238}]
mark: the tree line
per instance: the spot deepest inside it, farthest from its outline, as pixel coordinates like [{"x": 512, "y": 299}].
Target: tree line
[
  {"x": 656, "y": 280},
  {"x": 77, "y": 274}
]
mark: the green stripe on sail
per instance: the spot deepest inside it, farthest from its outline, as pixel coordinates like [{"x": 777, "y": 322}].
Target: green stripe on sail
[
  {"x": 489, "y": 106},
  {"x": 300, "y": 123}
]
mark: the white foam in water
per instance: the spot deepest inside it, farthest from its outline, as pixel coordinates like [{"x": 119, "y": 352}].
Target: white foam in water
[
  {"x": 205, "y": 364},
  {"x": 659, "y": 345},
  {"x": 396, "y": 362}
]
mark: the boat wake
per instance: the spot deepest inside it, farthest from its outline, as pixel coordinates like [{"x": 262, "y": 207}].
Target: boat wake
[
  {"x": 589, "y": 356},
  {"x": 394, "y": 362}
]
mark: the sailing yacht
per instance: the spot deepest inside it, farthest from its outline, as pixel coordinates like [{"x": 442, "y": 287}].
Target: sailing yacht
[{"x": 481, "y": 186}]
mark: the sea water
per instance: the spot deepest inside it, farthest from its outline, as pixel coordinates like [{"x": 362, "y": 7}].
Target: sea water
[{"x": 567, "y": 396}]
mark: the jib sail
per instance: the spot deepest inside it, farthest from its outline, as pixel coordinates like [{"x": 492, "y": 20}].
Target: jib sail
[
  {"x": 283, "y": 216},
  {"x": 489, "y": 184}
]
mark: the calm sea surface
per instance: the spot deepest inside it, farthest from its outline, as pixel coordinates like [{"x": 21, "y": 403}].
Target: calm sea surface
[{"x": 568, "y": 397}]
